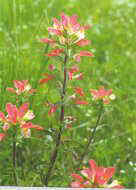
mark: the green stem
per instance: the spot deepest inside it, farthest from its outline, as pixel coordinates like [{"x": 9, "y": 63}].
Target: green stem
[
  {"x": 91, "y": 138},
  {"x": 58, "y": 140}
]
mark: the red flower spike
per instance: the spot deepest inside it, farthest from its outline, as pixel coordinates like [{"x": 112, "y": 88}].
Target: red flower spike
[
  {"x": 18, "y": 116},
  {"x": 68, "y": 25},
  {"x": 95, "y": 176},
  {"x": 102, "y": 94},
  {"x": 21, "y": 86},
  {"x": 2, "y": 136}
]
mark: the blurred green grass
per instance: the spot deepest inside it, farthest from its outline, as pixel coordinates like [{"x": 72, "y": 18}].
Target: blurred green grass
[{"x": 113, "y": 36}]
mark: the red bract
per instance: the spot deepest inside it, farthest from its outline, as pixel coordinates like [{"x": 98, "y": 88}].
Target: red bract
[
  {"x": 55, "y": 31},
  {"x": 21, "y": 86},
  {"x": 45, "y": 80},
  {"x": 102, "y": 94},
  {"x": 2, "y": 136},
  {"x": 51, "y": 67},
  {"x": 18, "y": 116},
  {"x": 72, "y": 70},
  {"x": 79, "y": 91},
  {"x": 53, "y": 109},
  {"x": 55, "y": 52},
  {"x": 81, "y": 102},
  {"x": 30, "y": 125},
  {"x": 83, "y": 42},
  {"x": 81, "y": 54},
  {"x": 95, "y": 177},
  {"x": 47, "y": 41}
]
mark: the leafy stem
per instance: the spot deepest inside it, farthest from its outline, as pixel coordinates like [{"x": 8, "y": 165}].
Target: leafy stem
[{"x": 58, "y": 139}]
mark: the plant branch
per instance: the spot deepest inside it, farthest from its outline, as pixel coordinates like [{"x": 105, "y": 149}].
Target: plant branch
[{"x": 91, "y": 138}]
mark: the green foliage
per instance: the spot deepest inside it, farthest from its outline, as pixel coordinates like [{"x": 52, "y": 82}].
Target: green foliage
[{"x": 22, "y": 24}]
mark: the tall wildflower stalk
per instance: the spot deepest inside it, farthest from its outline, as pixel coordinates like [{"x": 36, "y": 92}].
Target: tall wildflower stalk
[
  {"x": 66, "y": 35},
  {"x": 62, "y": 112}
]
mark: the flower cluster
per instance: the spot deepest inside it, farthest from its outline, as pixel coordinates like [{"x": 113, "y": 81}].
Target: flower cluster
[
  {"x": 18, "y": 116},
  {"x": 68, "y": 30},
  {"x": 21, "y": 86},
  {"x": 94, "y": 177},
  {"x": 102, "y": 94},
  {"x": 66, "y": 33}
]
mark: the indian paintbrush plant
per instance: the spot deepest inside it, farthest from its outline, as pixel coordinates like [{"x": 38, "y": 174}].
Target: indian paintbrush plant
[{"x": 66, "y": 39}]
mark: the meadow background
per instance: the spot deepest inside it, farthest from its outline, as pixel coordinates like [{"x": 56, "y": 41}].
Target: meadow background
[{"x": 113, "y": 42}]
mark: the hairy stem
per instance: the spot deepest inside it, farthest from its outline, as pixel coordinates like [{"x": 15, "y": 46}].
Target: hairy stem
[
  {"x": 91, "y": 138},
  {"x": 58, "y": 140}
]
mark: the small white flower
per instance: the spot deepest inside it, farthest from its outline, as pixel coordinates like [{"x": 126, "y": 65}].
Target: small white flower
[{"x": 112, "y": 97}]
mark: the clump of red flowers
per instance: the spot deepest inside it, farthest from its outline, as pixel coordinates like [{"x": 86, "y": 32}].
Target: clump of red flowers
[
  {"x": 21, "y": 86},
  {"x": 67, "y": 32},
  {"x": 102, "y": 94},
  {"x": 18, "y": 117},
  {"x": 95, "y": 177}
]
